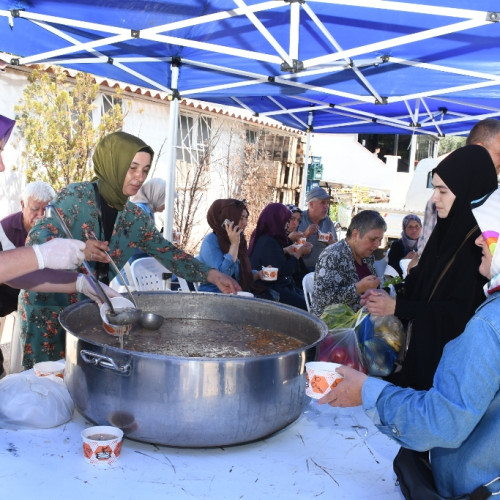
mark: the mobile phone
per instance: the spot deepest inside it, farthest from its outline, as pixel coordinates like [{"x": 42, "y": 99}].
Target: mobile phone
[{"x": 226, "y": 223}]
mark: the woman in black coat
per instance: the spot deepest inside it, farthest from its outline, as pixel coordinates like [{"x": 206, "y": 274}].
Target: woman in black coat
[{"x": 442, "y": 292}]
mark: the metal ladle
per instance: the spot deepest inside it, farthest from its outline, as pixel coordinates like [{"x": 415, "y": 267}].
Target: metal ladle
[
  {"x": 148, "y": 320},
  {"x": 126, "y": 316}
]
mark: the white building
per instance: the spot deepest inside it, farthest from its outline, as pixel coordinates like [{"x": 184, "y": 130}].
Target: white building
[{"x": 227, "y": 130}]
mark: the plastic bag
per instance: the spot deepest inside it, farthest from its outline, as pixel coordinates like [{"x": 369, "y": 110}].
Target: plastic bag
[
  {"x": 31, "y": 402},
  {"x": 341, "y": 346},
  {"x": 339, "y": 316},
  {"x": 380, "y": 339}
]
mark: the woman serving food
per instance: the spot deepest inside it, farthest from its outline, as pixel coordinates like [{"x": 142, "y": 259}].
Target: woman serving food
[{"x": 121, "y": 162}]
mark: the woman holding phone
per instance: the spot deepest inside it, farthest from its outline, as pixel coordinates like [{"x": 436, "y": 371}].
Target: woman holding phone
[{"x": 225, "y": 248}]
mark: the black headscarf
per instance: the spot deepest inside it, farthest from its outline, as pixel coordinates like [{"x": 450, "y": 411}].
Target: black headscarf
[
  {"x": 440, "y": 313},
  {"x": 470, "y": 174}
]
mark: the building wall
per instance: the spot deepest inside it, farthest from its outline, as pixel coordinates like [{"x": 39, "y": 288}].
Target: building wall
[{"x": 148, "y": 118}]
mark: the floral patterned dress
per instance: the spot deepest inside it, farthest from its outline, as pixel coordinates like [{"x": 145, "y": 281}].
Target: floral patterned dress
[{"x": 42, "y": 337}]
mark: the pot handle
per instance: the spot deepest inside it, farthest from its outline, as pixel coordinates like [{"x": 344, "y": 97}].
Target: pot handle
[{"x": 104, "y": 362}]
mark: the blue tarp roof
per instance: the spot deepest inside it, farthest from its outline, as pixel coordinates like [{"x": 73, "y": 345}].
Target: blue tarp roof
[{"x": 363, "y": 66}]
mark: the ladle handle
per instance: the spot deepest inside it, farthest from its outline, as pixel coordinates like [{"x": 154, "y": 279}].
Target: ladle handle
[
  {"x": 50, "y": 209},
  {"x": 117, "y": 271}
]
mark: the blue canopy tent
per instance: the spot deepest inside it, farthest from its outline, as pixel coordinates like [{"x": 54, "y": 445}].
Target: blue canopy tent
[{"x": 357, "y": 66}]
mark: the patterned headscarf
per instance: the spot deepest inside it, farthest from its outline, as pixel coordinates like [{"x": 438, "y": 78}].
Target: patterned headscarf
[
  {"x": 152, "y": 193},
  {"x": 486, "y": 212},
  {"x": 112, "y": 158},
  {"x": 6, "y": 126},
  {"x": 293, "y": 208}
]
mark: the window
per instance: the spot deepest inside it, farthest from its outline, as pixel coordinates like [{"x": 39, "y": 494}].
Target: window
[
  {"x": 252, "y": 136},
  {"x": 108, "y": 102},
  {"x": 193, "y": 136}
]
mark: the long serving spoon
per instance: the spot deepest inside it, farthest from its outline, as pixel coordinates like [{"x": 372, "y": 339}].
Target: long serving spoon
[
  {"x": 125, "y": 316},
  {"x": 148, "y": 320}
]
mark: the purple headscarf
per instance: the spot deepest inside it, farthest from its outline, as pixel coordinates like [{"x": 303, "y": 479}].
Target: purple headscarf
[
  {"x": 6, "y": 126},
  {"x": 272, "y": 221}
]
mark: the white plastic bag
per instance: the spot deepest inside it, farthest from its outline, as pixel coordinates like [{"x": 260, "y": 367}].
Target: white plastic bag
[{"x": 31, "y": 402}]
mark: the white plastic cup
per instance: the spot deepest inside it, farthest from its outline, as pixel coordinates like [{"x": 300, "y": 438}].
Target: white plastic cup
[
  {"x": 102, "y": 444},
  {"x": 321, "y": 378},
  {"x": 324, "y": 237},
  {"x": 46, "y": 368},
  {"x": 270, "y": 273},
  {"x": 115, "y": 330}
]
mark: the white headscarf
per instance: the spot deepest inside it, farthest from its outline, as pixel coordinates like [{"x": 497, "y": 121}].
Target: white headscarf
[
  {"x": 487, "y": 214},
  {"x": 152, "y": 193}
]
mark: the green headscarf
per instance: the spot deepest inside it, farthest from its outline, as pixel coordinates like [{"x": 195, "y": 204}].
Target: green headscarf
[{"x": 112, "y": 158}]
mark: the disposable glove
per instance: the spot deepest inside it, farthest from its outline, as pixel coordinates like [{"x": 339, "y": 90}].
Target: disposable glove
[
  {"x": 85, "y": 285},
  {"x": 60, "y": 253}
]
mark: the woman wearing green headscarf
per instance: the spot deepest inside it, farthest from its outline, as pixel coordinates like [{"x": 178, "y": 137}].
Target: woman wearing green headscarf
[{"x": 102, "y": 208}]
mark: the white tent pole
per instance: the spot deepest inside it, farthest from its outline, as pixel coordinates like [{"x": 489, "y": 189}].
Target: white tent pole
[
  {"x": 173, "y": 119},
  {"x": 413, "y": 150},
  {"x": 306, "y": 161},
  {"x": 294, "y": 30}
]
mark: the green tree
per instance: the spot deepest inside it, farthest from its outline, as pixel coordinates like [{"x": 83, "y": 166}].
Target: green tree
[
  {"x": 55, "y": 119},
  {"x": 450, "y": 143}
]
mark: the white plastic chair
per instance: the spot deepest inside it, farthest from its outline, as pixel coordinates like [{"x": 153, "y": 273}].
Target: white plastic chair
[
  {"x": 403, "y": 264},
  {"x": 126, "y": 275},
  {"x": 390, "y": 272},
  {"x": 149, "y": 275},
  {"x": 307, "y": 286},
  {"x": 183, "y": 284}
]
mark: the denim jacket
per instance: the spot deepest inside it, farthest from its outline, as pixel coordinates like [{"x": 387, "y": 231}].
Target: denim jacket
[
  {"x": 211, "y": 255},
  {"x": 458, "y": 419}
]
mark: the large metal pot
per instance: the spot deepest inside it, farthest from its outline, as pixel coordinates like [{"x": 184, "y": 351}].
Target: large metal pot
[{"x": 185, "y": 401}]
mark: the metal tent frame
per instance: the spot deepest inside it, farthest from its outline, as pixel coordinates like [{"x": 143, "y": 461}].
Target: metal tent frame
[{"x": 355, "y": 66}]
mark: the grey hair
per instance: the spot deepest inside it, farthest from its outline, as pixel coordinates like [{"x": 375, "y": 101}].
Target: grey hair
[
  {"x": 39, "y": 191},
  {"x": 484, "y": 132},
  {"x": 365, "y": 221}
]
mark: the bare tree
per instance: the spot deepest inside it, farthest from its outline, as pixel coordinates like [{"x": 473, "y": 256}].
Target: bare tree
[
  {"x": 193, "y": 179},
  {"x": 258, "y": 184}
]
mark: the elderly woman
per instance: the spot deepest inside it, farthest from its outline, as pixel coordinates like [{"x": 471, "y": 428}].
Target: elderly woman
[
  {"x": 442, "y": 292},
  {"x": 345, "y": 270},
  {"x": 268, "y": 247},
  {"x": 406, "y": 246},
  {"x": 121, "y": 163},
  {"x": 225, "y": 248}
]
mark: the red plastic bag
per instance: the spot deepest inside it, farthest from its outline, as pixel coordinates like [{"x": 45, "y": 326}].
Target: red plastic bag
[{"x": 341, "y": 346}]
